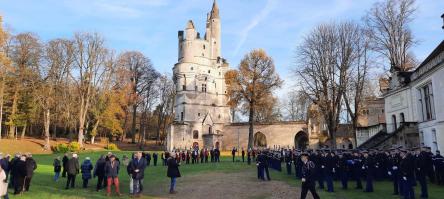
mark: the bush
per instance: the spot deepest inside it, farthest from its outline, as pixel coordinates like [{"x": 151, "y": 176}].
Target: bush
[
  {"x": 61, "y": 148},
  {"x": 74, "y": 146},
  {"x": 111, "y": 147}
]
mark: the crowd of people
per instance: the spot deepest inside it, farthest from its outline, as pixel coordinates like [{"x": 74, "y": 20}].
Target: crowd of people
[
  {"x": 404, "y": 168},
  {"x": 16, "y": 172}
]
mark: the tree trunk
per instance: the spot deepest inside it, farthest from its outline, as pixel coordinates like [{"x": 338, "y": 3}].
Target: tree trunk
[
  {"x": 23, "y": 132},
  {"x": 251, "y": 126},
  {"x": 12, "y": 128},
  {"x": 47, "y": 125},
  {"x": 133, "y": 125},
  {"x": 2, "y": 93},
  {"x": 94, "y": 132}
]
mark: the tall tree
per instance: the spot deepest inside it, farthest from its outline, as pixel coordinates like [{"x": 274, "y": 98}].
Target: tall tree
[
  {"x": 253, "y": 82},
  {"x": 25, "y": 53},
  {"x": 142, "y": 77},
  {"x": 165, "y": 87},
  {"x": 295, "y": 106},
  {"x": 58, "y": 61},
  {"x": 388, "y": 26},
  {"x": 90, "y": 56},
  {"x": 5, "y": 67},
  {"x": 323, "y": 63}
]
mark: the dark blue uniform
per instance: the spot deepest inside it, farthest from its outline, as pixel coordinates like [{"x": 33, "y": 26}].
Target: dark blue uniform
[
  {"x": 406, "y": 169},
  {"x": 309, "y": 180},
  {"x": 393, "y": 171}
]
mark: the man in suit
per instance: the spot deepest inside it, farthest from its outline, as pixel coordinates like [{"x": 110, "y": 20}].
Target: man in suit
[
  {"x": 31, "y": 165},
  {"x": 308, "y": 177}
]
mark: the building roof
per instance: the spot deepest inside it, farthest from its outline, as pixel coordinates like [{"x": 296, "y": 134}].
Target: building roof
[
  {"x": 436, "y": 52},
  {"x": 190, "y": 24}
]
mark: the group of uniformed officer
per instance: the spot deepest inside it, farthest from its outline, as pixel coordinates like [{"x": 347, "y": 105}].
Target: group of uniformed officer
[{"x": 406, "y": 168}]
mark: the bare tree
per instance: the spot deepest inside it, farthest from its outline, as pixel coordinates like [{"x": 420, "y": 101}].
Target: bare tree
[
  {"x": 295, "y": 106},
  {"x": 58, "y": 61},
  {"x": 324, "y": 61},
  {"x": 142, "y": 77},
  {"x": 165, "y": 87},
  {"x": 89, "y": 59},
  {"x": 388, "y": 26}
]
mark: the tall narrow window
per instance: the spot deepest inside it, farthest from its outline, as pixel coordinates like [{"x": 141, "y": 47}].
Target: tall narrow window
[
  {"x": 395, "y": 127},
  {"x": 184, "y": 87},
  {"x": 426, "y": 102},
  {"x": 434, "y": 141},
  {"x": 204, "y": 88},
  {"x": 181, "y": 116},
  {"x": 195, "y": 134},
  {"x": 402, "y": 117}
]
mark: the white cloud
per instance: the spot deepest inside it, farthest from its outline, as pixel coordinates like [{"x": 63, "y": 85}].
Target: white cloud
[{"x": 253, "y": 23}]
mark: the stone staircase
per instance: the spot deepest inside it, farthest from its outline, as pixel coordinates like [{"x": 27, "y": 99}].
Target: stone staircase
[{"x": 383, "y": 139}]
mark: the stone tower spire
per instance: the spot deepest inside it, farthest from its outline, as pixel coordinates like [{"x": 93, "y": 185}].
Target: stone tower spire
[
  {"x": 213, "y": 33},
  {"x": 214, "y": 10}
]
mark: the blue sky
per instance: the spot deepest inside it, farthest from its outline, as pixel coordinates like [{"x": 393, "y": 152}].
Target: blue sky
[{"x": 151, "y": 26}]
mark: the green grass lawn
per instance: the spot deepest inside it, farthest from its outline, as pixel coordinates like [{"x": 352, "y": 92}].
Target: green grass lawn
[{"x": 155, "y": 178}]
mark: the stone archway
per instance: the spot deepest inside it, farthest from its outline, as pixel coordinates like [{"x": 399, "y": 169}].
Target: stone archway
[
  {"x": 301, "y": 140},
  {"x": 260, "y": 140}
]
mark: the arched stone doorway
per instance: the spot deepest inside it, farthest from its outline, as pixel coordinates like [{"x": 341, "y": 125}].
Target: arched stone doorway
[
  {"x": 301, "y": 140},
  {"x": 195, "y": 145},
  {"x": 260, "y": 140}
]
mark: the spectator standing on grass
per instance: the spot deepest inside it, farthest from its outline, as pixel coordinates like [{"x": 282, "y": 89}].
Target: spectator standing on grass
[
  {"x": 86, "y": 167},
  {"x": 112, "y": 174},
  {"x": 148, "y": 159},
  {"x": 173, "y": 172},
  {"x": 99, "y": 171},
  {"x": 155, "y": 156},
  {"x": 19, "y": 173},
  {"x": 65, "y": 165},
  {"x": 57, "y": 168},
  {"x": 233, "y": 153},
  {"x": 3, "y": 182},
  {"x": 31, "y": 166},
  {"x": 72, "y": 171},
  {"x": 137, "y": 169}
]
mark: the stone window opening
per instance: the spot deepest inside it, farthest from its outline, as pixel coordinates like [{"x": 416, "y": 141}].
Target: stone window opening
[
  {"x": 181, "y": 116},
  {"x": 204, "y": 46},
  {"x": 192, "y": 68},
  {"x": 195, "y": 134},
  {"x": 204, "y": 88},
  {"x": 198, "y": 114},
  {"x": 209, "y": 71}
]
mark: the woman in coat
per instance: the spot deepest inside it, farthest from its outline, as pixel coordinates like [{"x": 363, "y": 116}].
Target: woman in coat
[
  {"x": 86, "y": 171},
  {"x": 173, "y": 171},
  {"x": 3, "y": 184}
]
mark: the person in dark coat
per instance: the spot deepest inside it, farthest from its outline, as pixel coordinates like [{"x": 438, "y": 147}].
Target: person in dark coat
[
  {"x": 99, "y": 172},
  {"x": 155, "y": 156},
  {"x": 112, "y": 174},
  {"x": 249, "y": 156},
  {"x": 72, "y": 170},
  {"x": 137, "y": 170},
  {"x": 406, "y": 172},
  {"x": 173, "y": 172},
  {"x": 393, "y": 171},
  {"x": 438, "y": 163},
  {"x": 243, "y": 155},
  {"x": 57, "y": 168},
  {"x": 31, "y": 166},
  {"x": 86, "y": 167},
  {"x": 19, "y": 174},
  {"x": 422, "y": 168},
  {"x": 233, "y": 153},
  {"x": 308, "y": 177},
  {"x": 148, "y": 159},
  {"x": 368, "y": 168},
  {"x": 65, "y": 165}
]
